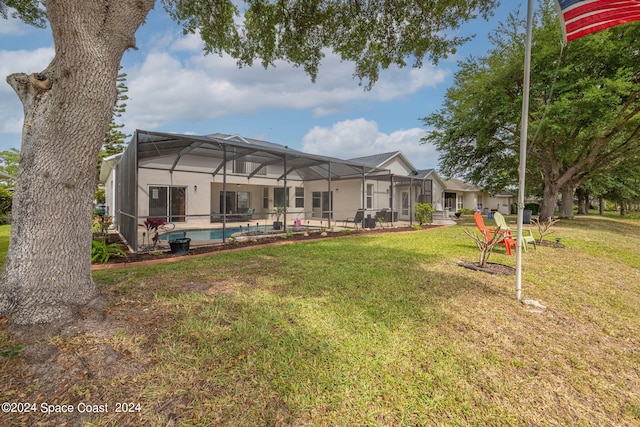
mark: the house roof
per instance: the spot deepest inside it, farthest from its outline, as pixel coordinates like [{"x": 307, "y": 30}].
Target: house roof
[
  {"x": 376, "y": 160},
  {"x": 423, "y": 173}
]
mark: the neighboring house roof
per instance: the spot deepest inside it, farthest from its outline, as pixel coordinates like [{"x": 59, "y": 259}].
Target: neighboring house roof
[
  {"x": 455, "y": 184},
  {"x": 108, "y": 163}
]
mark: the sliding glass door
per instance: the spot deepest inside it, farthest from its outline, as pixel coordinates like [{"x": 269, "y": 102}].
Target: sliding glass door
[
  {"x": 236, "y": 201},
  {"x": 168, "y": 202}
]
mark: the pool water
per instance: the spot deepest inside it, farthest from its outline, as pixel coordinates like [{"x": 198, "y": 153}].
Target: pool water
[{"x": 208, "y": 233}]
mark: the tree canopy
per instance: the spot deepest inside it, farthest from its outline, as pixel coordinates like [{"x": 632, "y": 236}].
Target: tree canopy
[
  {"x": 9, "y": 160},
  {"x": 584, "y": 109}
]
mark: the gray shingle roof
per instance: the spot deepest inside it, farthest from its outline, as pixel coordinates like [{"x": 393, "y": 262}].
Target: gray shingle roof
[
  {"x": 422, "y": 173},
  {"x": 459, "y": 185},
  {"x": 376, "y": 159}
]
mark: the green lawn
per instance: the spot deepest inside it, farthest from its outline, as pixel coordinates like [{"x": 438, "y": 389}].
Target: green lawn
[
  {"x": 379, "y": 330},
  {"x": 4, "y": 241}
]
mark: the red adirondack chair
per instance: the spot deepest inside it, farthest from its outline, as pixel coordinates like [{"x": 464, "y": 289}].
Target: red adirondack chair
[{"x": 505, "y": 235}]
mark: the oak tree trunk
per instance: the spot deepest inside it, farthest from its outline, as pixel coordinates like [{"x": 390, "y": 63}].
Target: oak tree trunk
[
  {"x": 583, "y": 201},
  {"x": 601, "y": 203},
  {"x": 566, "y": 204},
  {"x": 67, "y": 109},
  {"x": 549, "y": 200}
]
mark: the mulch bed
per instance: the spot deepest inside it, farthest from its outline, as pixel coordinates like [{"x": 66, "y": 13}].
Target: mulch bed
[
  {"x": 550, "y": 244},
  {"x": 256, "y": 242},
  {"x": 490, "y": 267},
  {"x": 501, "y": 269}
]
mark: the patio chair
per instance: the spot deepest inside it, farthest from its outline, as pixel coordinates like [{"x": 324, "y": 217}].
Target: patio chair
[
  {"x": 248, "y": 214},
  {"x": 504, "y": 235},
  {"x": 355, "y": 220},
  {"x": 215, "y": 217},
  {"x": 527, "y": 234}
]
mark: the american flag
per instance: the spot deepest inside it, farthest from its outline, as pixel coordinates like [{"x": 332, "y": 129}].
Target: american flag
[{"x": 579, "y": 18}]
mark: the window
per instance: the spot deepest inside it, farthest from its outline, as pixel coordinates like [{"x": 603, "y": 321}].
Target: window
[
  {"x": 299, "y": 197},
  {"x": 280, "y": 197},
  {"x": 242, "y": 167},
  {"x": 265, "y": 198},
  {"x": 479, "y": 207},
  {"x": 168, "y": 202},
  {"x": 243, "y": 200},
  {"x": 460, "y": 202},
  {"x": 426, "y": 195},
  {"x": 239, "y": 166},
  {"x": 369, "y": 196}
]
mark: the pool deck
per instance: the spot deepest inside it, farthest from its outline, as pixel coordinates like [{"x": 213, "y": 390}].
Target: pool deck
[{"x": 310, "y": 226}]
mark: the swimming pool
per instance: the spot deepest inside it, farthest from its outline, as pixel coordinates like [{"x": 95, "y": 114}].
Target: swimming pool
[{"x": 209, "y": 233}]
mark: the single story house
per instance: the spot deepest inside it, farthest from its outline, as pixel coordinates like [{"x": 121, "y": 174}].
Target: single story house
[{"x": 459, "y": 194}]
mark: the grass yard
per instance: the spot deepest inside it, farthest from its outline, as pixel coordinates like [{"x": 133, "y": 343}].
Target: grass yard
[
  {"x": 380, "y": 330},
  {"x": 4, "y": 241}
]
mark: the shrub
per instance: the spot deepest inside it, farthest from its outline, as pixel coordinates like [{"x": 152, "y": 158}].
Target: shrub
[
  {"x": 152, "y": 225},
  {"x": 534, "y": 207},
  {"x": 465, "y": 211},
  {"x": 544, "y": 227},
  {"x": 101, "y": 251},
  {"x": 6, "y": 198},
  {"x": 423, "y": 212}
]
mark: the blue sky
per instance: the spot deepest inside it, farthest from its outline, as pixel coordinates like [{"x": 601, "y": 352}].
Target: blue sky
[{"x": 173, "y": 87}]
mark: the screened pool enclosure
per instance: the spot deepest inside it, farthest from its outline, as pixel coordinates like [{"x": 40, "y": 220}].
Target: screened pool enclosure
[{"x": 218, "y": 179}]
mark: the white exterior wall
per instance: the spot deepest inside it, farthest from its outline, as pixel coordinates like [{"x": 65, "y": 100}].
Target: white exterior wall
[
  {"x": 348, "y": 196},
  {"x": 110, "y": 194},
  {"x": 197, "y": 198},
  {"x": 502, "y": 204},
  {"x": 470, "y": 201}
]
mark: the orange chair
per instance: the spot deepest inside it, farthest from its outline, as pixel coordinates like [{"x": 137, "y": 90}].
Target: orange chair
[{"x": 504, "y": 235}]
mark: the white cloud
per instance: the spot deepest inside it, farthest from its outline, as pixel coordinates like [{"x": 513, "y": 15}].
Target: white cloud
[
  {"x": 11, "y": 112},
  {"x": 357, "y": 138},
  {"x": 188, "y": 43},
  {"x": 176, "y": 82},
  {"x": 24, "y": 61},
  {"x": 13, "y": 27},
  {"x": 11, "y": 124}
]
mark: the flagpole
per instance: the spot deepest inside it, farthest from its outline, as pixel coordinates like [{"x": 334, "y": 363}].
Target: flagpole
[{"x": 523, "y": 147}]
